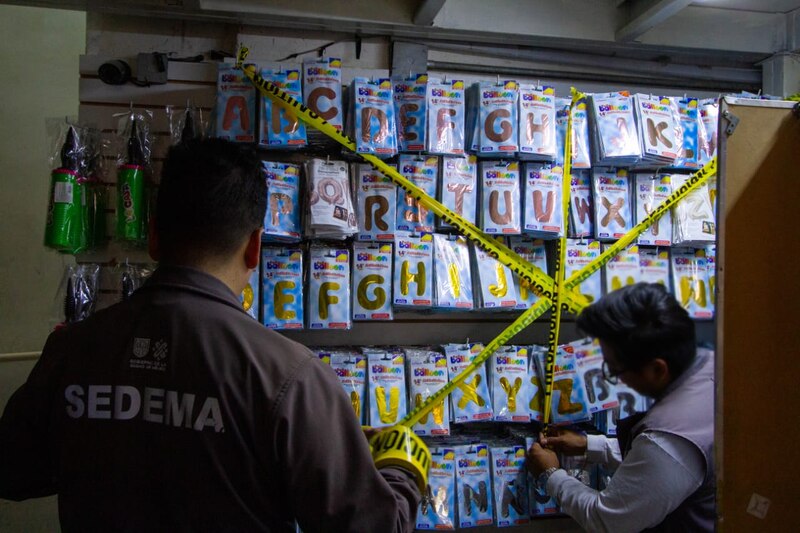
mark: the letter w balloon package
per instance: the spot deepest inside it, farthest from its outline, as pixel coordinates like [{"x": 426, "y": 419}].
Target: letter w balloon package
[
  {"x": 329, "y": 288},
  {"x": 387, "y": 388},
  {"x": 437, "y": 510},
  {"x": 372, "y": 281},
  {"x": 537, "y": 123},
  {"x": 427, "y": 373},
  {"x": 473, "y": 476},
  {"x": 282, "y": 294},
  {"x": 413, "y": 269},
  {"x": 510, "y": 485},
  {"x": 322, "y": 89},
  {"x": 281, "y": 128},
  {"x": 471, "y": 401}
]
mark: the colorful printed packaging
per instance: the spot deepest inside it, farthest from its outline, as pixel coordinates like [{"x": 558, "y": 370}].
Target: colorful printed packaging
[
  {"x": 236, "y": 105},
  {"x": 427, "y": 373},
  {"x": 459, "y": 190},
  {"x": 473, "y": 478},
  {"x": 654, "y": 266},
  {"x": 422, "y": 171},
  {"x": 372, "y": 281},
  {"x": 282, "y": 219},
  {"x": 376, "y": 205},
  {"x": 579, "y": 254},
  {"x": 650, "y": 191},
  {"x": 658, "y": 124},
  {"x": 495, "y": 282},
  {"x": 413, "y": 269},
  {"x": 540, "y": 503},
  {"x": 569, "y": 393},
  {"x": 689, "y": 121},
  {"x": 282, "y": 294},
  {"x": 690, "y": 280},
  {"x": 510, "y": 485},
  {"x": 437, "y": 510},
  {"x": 600, "y": 394},
  {"x": 709, "y": 117},
  {"x": 351, "y": 369},
  {"x": 409, "y": 103},
  {"x": 711, "y": 267},
  {"x": 452, "y": 272},
  {"x": 387, "y": 388},
  {"x": 373, "y": 120},
  {"x": 543, "y": 198},
  {"x": 251, "y": 295},
  {"x": 693, "y": 221},
  {"x": 473, "y": 112},
  {"x": 330, "y": 203},
  {"x": 537, "y": 356},
  {"x": 500, "y": 212},
  {"x": 622, "y": 269},
  {"x": 537, "y": 122},
  {"x": 581, "y": 208},
  {"x": 281, "y": 128},
  {"x": 322, "y": 89},
  {"x": 630, "y": 403},
  {"x": 445, "y": 104},
  {"x": 509, "y": 370},
  {"x": 581, "y": 154},
  {"x": 498, "y": 117},
  {"x": 612, "y": 204},
  {"x": 329, "y": 288},
  {"x": 616, "y": 141},
  {"x": 532, "y": 251},
  {"x": 470, "y": 400}
]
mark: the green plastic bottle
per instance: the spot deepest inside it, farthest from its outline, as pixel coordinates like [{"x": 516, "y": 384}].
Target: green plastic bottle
[
  {"x": 65, "y": 229},
  {"x": 131, "y": 201}
]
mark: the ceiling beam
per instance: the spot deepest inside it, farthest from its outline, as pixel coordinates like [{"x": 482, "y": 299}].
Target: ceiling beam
[
  {"x": 427, "y": 11},
  {"x": 647, "y": 14}
]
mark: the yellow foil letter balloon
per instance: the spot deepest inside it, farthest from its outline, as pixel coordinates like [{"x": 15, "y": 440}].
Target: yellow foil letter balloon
[
  {"x": 281, "y": 300},
  {"x": 380, "y": 293}
]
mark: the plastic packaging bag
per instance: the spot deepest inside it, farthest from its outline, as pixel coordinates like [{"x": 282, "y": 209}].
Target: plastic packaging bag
[
  {"x": 654, "y": 266},
  {"x": 437, "y": 510},
  {"x": 470, "y": 400},
  {"x": 279, "y": 127},
  {"x": 445, "y": 104},
  {"x": 133, "y": 167},
  {"x": 612, "y": 204},
  {"x": 330, "y": 200},
  {"x": 282, "y": 288},
  {"x": 322, "y": 89},
  {"x": 543, "y": 199},
  {"x": 650, "y": 191},
  {"x": 494, "y": 282},
  {"x": 690, "y": 279},
  {"x": 422, "y": 171},
  {"x": 510, "y": 485},
  {"x": 533, "y": 251},
  {"x": 329, "y": 288},
  {"x": 427, "y": 373},
  {"x": 581, "y": 252},
  {"x": 376, "y": 202},
  {"x": 236, "y": 105},
  {"x": 81, "y": 286},
  {"x": 498, "y": 118},
  {"x": 622, "y": 269},
  {"x": 373, "y": 120},
  {"x": 473, "y": 476},
  {"x": 459, "y": 190},
  {"x": 387, "y": 388},
  {"x": 500, "y": 185},
  {"x": 509, "y": 371},
  {"x": 185, "y": 123},
  {"x": 581, "y": 208},
  {"x": 409, "y": 102},
  {"x": 452, "y": 272},
  {"x": 413, "y": 269},
  {"x": 351, "y": 369},
  {"x": 600, "y": 394},
  {"x": 537, "y": 123},
  {"x": 372, "y": 281},
  {"x": 282, "y": 219}
]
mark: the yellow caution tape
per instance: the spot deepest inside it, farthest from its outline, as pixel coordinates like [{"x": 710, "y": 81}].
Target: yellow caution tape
[
  {"x": 542, "y": 284},
  {"x": 401, "y": 447},
  {"x": 560, "y": 260}
]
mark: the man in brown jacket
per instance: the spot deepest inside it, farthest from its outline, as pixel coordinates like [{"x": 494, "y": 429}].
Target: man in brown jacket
[{"x": 176, "y": 411}]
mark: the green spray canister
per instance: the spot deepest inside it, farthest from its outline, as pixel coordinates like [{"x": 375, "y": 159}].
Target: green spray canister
[
  {"x": 131, "y": 223},
  {"x": 65, "y": 227}
]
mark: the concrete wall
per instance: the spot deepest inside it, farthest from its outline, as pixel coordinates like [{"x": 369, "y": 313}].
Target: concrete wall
[{"x": 40, "y": 79}]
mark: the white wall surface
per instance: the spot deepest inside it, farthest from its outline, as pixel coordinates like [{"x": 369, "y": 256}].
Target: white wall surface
[{"x": 39, "y": 56}]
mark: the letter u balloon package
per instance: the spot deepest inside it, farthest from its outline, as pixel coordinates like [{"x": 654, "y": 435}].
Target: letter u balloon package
[{"x": 387, "y": 388}]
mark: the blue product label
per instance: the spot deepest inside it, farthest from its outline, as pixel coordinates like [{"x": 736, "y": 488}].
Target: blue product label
[{"x": 236, "y": 105}]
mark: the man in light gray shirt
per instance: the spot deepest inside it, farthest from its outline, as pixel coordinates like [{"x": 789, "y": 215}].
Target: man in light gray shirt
[{"x": 663, "y": 459}]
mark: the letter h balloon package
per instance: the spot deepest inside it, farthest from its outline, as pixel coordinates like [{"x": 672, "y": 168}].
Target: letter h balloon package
[
  {"x": 537, "y": 123},
  {"x": 413, "y": 269}
]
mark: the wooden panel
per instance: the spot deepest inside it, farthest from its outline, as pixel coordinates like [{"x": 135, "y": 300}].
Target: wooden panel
[
  {"x": 758, "y": 301},
  {"x": 173, "y": 93}
]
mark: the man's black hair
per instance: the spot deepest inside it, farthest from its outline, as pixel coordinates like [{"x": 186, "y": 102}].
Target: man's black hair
[
  {"x": 642, "y": 322},
  {"x": 211, "y": 197}
]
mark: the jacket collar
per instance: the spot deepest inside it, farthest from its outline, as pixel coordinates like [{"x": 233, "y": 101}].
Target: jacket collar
[
  {"x": 698, "y": 361},
  {"x": 192, "y": 280}
]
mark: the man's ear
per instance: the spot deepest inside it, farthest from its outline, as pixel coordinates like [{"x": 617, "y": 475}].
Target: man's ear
[
  {"x": 152, "y": 240},
  {"x": 252, "y": 251},
  {"x": 660, "y": 370}
]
